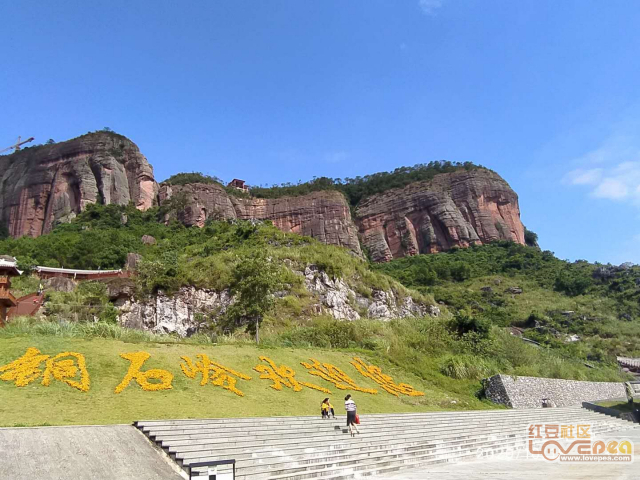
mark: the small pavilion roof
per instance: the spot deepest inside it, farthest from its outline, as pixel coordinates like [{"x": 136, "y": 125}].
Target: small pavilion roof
[{"x": 9, "y": 264}]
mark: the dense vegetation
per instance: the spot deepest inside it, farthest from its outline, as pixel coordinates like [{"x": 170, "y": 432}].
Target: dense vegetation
[
  {"x": 467, "y": 342},
  {"x": 598, "y": 303},
  {"x": 355, "y": 189},
  {"x": 103, "y": 235},
  {"x": 192, "y": 177}
]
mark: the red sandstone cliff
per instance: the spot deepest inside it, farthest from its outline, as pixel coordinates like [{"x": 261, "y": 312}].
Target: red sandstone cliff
[
  {"x": 43, "y": 185},
  {"x": 323, "y": 215},
  {"x": 453, "y": 209}
]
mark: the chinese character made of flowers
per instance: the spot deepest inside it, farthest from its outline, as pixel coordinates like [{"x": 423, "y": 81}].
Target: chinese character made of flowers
[
  {"x": 335, "y": 375},
  {"x": 213, "y": 372},
  {"x": 64, "y": 367},
  {"x": 385, "y": 381},
  {"x": 137, "y": 359},
  {"x": 283, "y": 375}
]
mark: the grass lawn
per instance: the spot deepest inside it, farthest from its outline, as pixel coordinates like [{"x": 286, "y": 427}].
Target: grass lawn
[
  {"x": 620, "y": 406},
  {"x": 60, "y": 404}
]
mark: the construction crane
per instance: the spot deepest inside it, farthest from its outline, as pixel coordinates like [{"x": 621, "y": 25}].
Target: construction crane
[{"x": 16, "y": 146}]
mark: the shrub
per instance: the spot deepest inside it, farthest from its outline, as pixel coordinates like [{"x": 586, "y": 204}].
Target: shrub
[
  {"x": 573, "y": 283},
  {"x": 530, "y": 238},
  {"x": 464, "y": 322},
  {"x": 193, "y": 177},
  {"x": 465, "y": 367}
]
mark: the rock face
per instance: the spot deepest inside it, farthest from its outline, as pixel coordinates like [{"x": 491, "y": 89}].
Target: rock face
[
  {"x": 41, "y": 186},
  {"x": 189, "y": 310},
  {"x": 452, "y": 210},
  {"x": 325, "y": 216},
  {"x": 183, "y": 313},
  {"x": 44, "y": 185}
]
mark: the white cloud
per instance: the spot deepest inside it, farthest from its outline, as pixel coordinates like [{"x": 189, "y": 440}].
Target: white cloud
[
  {"x": 584, "y": 177},
  {"x": 618, "y": 175},
  {"x": 611, "y": 188},
  {"x": 336, "y": 157},
  {"x": 429, "y": 7}
]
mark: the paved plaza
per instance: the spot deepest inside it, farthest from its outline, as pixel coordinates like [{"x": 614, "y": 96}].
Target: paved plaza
[
  {"x": 502, "y": 468},
  {"x": 115, "y": 452}
]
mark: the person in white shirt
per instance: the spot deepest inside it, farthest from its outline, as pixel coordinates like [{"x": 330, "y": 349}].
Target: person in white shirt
[{"x": 350, "y": 407}]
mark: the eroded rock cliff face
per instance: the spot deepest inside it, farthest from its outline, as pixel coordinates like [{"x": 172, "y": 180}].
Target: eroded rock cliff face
[
  {"x": 322, "y": 215},
  {"x": 48, "y": 184},
  {"x": 191, "y": 309},
  {"x": 452, "y": 210},
  {"x": 41, "y": 186}
]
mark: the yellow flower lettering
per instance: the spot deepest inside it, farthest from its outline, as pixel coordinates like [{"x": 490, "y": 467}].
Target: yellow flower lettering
[
  {"x": 27, "y": 369},
  {"x": 283, "y": 375},
  {"x": 385, "y": 381},
  {"x": 66, "y": 370},
  {"x": 334, "y": 375},
  {"x": 137, "y": 359},
  {"x": 213, "y": 372}
]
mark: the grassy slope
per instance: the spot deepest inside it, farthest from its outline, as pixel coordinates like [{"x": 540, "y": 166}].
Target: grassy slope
[
  {"x": 606, "y": 311},
  {"x": 60, "y": 404},
  {"x": 620, "y": 406}
]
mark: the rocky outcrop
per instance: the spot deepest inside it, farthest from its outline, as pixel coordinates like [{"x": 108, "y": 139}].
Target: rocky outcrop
[
  {"x": 41, "y": 186},
  {"x": 337, "y": 299},
  {"x": 452, "y": 210},
  {"x": 325, "y": 216},
  {"x": 191, "y": 309},
  {"x": 183, "y": 314}
]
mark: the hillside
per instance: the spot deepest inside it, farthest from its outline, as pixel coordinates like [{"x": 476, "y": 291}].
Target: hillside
[
  {"x": 421, "y": 209},
  {"x": 187, "y": 398},
  {"x": 449, "y": 352},
  {"x": 558, "y": 300},
  {"x": 228, "y": 270}
]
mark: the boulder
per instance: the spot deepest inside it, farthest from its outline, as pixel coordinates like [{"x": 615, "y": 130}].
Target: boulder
[
  {"x": 132, "y": 261},
  {"x": 514, "y": 290},
  {"x": 59, "y": 284},
  {"x": 120, "y": 288},
  {"x": 148, "y": 240}
]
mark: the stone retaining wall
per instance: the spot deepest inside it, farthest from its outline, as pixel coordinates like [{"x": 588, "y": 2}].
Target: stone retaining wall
[{"x": 528, "y": 392}]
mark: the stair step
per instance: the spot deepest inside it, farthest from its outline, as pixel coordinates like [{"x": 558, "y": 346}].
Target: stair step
[{"x": 300, "y": 448}]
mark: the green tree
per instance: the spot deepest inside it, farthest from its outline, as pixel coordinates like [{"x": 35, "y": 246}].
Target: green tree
[
  {"x": 460, "y": 271},
  {"x": 530, "y": 238},
  {"x": 255, "y": 279}
]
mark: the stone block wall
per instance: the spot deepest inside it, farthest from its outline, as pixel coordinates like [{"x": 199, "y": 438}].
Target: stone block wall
[{"x": 528, "y": 392}]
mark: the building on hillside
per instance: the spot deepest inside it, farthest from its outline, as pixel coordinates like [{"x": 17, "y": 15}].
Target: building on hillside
[
  {"x": 8, "y": 269},
  {"x": 50, "y": 272},
  {"x": 238, "y": 185}
]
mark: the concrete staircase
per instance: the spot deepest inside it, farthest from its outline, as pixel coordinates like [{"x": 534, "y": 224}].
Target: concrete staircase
[{"x": 279, "y": 448}]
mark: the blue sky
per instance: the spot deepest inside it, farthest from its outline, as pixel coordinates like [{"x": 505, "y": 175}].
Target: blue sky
[{"x": 544, "y": 92}]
